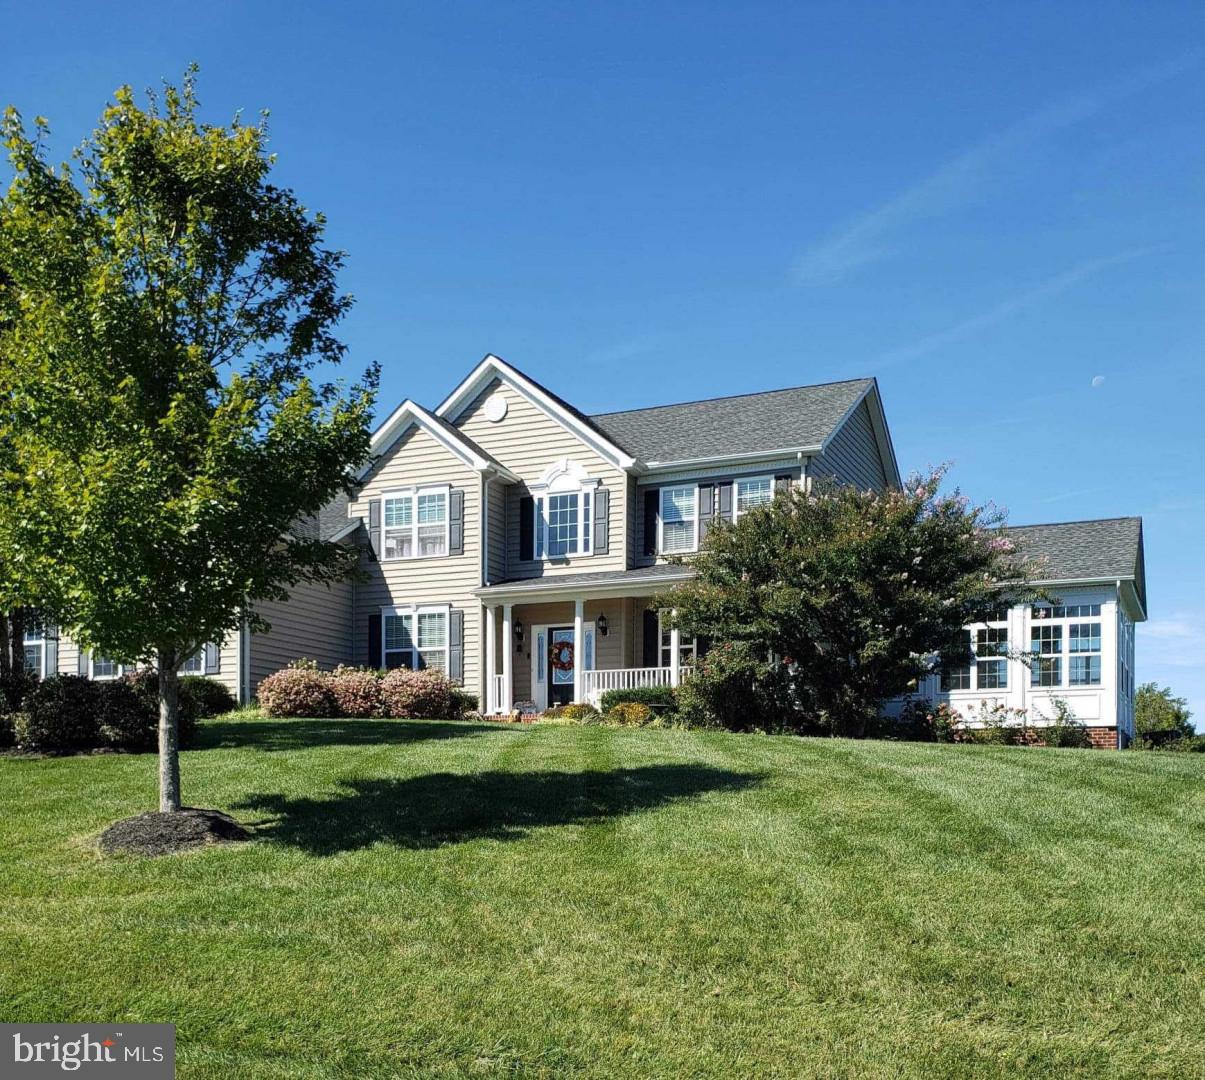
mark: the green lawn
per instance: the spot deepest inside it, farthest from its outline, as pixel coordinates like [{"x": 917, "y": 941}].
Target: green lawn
[{"x": 429, "y": 899}]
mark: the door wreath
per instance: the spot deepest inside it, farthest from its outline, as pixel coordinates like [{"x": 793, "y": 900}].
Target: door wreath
[{"x": 562, "y": 656}]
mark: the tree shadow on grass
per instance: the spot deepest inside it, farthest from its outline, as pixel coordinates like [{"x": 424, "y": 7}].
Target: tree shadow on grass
[
  {"x": 270, "y": 735},
  {"x": 443, "y": 808}
]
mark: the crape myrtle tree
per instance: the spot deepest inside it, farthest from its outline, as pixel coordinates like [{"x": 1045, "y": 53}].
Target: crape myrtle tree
[
  {"x": 165, "y": 312},
  {"x": 854, "y": 595}
]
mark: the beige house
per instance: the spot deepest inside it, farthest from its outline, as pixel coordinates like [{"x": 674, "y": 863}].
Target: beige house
[{"x": 517, "y": 543}]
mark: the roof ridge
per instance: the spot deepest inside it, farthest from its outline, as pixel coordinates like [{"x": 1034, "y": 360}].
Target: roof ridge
[
  {"x": 1078, "y": 521},
  {"x": 733, "y": 397}
]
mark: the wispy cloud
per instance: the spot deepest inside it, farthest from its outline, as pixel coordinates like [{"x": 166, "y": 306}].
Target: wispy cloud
[
  {"x": 1018, "y": 302},
  {"x": 641, "y": 345},
  {"x": 954, "y": 182},
  {"x": 1180, "y": 640}
]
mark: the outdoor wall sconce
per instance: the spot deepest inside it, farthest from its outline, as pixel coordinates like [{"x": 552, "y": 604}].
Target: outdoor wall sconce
[
  {"x": 518, "y": 634},
  {"x": 602, "y": 626}
]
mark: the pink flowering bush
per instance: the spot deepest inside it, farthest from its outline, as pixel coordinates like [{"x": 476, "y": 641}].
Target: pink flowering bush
[
  {"x": 356, "y": 691},
  {"x": 298, "y": 690},
  {"x": 411, "y": 695}
]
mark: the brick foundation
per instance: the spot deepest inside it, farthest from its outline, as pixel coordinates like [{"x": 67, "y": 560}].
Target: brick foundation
[{"x": 1103, "y": 738}]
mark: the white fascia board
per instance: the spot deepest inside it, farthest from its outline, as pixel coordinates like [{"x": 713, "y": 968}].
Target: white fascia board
[
  {"x": 783, "y": 453},
  {"x": 550, "y": 589},
  {"x": 409, "y": 414},
  {"x": 346, "y": 531},
  {"x": 494, "y": 366}
]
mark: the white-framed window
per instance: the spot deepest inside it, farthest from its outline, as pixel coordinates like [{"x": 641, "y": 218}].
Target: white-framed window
[
  {"x": 986, "y": 651},
  {"x": 415, "y": 637},
  {"x": 415, "y": 523},
  {"x": 1065, "y": 640},
  {"x": 195, "y": 664},
  {"x": 679, "y": 519},
  {"x": 39, "y": 651},
  {"x": 563, "y": 523},
  {"x": 101, "y": 667},
  {"x": 688, "y": 647},
  {"x": 752, "y": 492}
]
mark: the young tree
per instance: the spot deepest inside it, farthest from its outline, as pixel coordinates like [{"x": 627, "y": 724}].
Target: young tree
[
  {"x": 1159, "y": 715},
  {"x": 861, "y": 594},
  {"x": 163, "y": 309}
]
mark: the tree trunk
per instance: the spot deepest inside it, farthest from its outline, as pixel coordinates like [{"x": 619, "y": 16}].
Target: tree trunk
[
  {"x": 169, "y": 733},
  {"x": 16, "y": 630}
]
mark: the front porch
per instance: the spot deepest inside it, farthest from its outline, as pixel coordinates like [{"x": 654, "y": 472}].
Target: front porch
[{"x": 569, "y": 639}]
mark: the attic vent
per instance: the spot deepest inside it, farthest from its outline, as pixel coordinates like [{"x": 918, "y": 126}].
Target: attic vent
[{"x": 495, "y": 407}]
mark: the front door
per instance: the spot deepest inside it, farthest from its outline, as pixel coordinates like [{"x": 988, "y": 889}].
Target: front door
[{"x": 561, "y": 661}]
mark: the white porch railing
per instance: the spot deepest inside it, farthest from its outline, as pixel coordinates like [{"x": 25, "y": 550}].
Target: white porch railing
[
  {"x": 496, "y": 693},
  {"x": 597, "y": 683}
]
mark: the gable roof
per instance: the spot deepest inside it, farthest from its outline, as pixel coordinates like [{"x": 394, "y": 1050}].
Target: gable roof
[
  {"x": 494, "y": 367},
  {"x": 410, "y": 414},
  {"x": 1107, "y": 549},
  {"x": 802, "y": 418}
]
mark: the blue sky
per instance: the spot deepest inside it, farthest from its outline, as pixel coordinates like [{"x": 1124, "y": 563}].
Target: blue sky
[{"x": 996, "y": 210}]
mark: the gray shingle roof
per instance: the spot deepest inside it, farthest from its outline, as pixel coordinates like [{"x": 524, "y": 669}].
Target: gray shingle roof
[
  {"x": 794, "y": 419},
  {"x": 671, "y": 571},
  {"x": 1104, "y": 550}
]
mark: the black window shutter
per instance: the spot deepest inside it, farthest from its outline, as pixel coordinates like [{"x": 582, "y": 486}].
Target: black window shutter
[
  {"x": 374, "y": 658},
  {"x": 374, "y": 526},
  {"x": 456, "y": 647},
  {"x": 726, "y": 501},
  {"x": 706, "y": 508},
  {"x": 213, "y": 659},
  {"x": 602, "y": 520},
  {"x": 527, "y": 532},
  {"x": 652, "y": 507},
  {"x": 782, "y": 483},
  {"x": 652, "y": 639},
  {"x": 456, "y": 522}
]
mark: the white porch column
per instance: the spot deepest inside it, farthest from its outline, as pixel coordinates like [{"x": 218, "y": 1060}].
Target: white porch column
[
  {"x": 675, "y": 655},
  {"x": 579, "y": 649},
  {"x": 491, "y": 660},
  {"x": 508, "y": 675}
]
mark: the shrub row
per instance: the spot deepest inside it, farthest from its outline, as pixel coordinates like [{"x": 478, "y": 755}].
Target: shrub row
[
  {"x": 361, "y": 693},
  {"x": 620, "y": 714},
  {"x": 65, "y": 713}
]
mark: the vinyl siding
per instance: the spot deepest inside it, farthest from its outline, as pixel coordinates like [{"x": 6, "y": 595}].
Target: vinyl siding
[
  {"x": 228, "y": 660},
  {"x": 727, "y": 476},
  {"x": 315, "y": 623},
  {"x": 496, "y": 570},
  {"x": 527, "y": 441},
  {"x": 418, "y": 458},
  {"x": 853, "y": 455}
]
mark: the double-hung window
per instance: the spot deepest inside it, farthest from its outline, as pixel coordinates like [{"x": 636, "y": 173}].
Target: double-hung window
[
  {"x": 679, "y": 519},
  {"x": 563, "y": 523},
  {"x": 104, "y": 668},
  {"x": 752, "y": 492},
  {"x": 415, "y": 523},
  {"x": 415, "y": 638},
  {"x": 195, "y": 664},
  {"x": 39, "y": 648},
  {"x": 1065, "y": 642},
  {"x": 991, "y": 658}
]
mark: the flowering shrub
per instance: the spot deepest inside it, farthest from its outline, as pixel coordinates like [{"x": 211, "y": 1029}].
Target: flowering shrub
[
  {"x": 356, "y": 691},
  {"x": 298, "y": 690},
  {"x": 997, "y": 725},
  {"x": 413, "y": 695}
]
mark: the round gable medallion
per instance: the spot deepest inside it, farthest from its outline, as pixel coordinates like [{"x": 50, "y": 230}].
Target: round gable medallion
[{"x": 495, "y": 407}]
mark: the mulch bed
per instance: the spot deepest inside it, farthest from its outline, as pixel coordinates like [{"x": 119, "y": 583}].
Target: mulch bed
[{"x": 154, "y": 833}]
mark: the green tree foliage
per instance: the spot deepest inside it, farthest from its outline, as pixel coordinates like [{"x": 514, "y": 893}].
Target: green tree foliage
[
  {"x": 860, "y": 594},
  {"x": 1159, "y": 715},
  {"x": 165, "y": 311}
]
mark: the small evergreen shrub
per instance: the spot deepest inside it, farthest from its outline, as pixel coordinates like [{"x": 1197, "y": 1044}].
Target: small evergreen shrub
[
  {"x": 60, "y": 716},
  {"x": 298, "y": 690},
  {"x": 573, "y": 714},
  {"x": 629, "y": 714},
  {"x": 417, "y": 695},
  {"x": 145, "y": 683},
  {"x": 653, "y": 696},
  {"x": 125, "y": 718},
  {"x": 464, "y": 705},
  {"x": 208, "y": 697},
  {"x": 14, "y": 688},
  {"x": 357, "y": 692}
]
